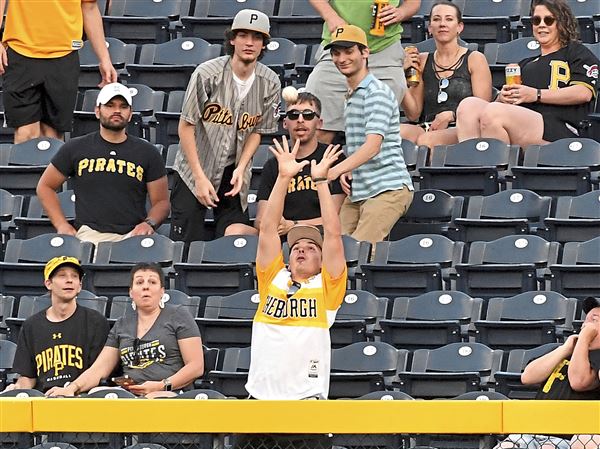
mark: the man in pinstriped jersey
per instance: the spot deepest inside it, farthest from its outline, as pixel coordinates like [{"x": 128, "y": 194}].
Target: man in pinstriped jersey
[{"x": 230, "y": 101}]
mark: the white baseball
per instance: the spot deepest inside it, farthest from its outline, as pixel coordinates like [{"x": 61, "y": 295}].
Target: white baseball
[{"x": 289, "y": 94}]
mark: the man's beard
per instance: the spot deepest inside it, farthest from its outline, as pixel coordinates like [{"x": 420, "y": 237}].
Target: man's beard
[{"x": 106, "y": 123}]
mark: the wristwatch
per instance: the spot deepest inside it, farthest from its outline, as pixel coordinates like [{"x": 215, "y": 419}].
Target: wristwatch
[
  {"x": 151, "y": 223},
  {"x": 167, "y": 384}
]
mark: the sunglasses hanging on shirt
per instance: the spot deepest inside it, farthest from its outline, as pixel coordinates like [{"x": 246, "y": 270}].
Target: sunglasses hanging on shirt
[{"x": 443, "y": 95}]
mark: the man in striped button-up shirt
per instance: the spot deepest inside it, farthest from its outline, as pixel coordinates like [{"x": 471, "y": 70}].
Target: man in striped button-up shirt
[{"x": 381, "y": 189}]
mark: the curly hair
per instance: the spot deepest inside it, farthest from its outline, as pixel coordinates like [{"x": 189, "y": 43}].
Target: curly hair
[
  {"x": 230, "y": 35},
  {"x": 568, "y": 28}
]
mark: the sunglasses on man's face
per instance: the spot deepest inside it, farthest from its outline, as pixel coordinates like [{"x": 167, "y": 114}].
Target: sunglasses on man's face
[
  {"x": 548, "y": 20},
  {"x": 307, "y": 114}
]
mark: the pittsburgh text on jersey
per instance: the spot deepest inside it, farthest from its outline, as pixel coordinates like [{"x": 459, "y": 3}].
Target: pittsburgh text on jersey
[{"x": 290, "y": 308}]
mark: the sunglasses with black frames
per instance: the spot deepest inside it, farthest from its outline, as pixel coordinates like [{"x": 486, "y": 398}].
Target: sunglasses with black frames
[
  {"x": 307, "y": 114},
  {"x": 548, "y": 20}
]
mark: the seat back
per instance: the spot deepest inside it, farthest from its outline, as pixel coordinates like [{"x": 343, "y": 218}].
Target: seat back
[
  {"x": 360, "y": 304},
  {"x": 458, "y": 357},
  {"x": 475, "y": 152},
  {"x": 569, "y": 152},
  {"x": 533, "y": 306},
  {"x": 188, "y": 50},
  {"x": 241, "y": 305},
  {"x": 229, "y": 8},
  {"x": 438, "y": 305},
  {"x": 420, "y": 249},
  {"x": 368, "y": 357},
  {"x": 517, "y": 203},
  {"x": 39, "y": 151},
  {"x": 582, "y": 253},
  {"x": 142, "y": 248},
  {"x": 515, "y": 249},
  {"x": 228, "y": 249},
  {"x": 42, "y": 248},
  {"x": 582, "y": 206},
  {"x": 120, "y": 52}
]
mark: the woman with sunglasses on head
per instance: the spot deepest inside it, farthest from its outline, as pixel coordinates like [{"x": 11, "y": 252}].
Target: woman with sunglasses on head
[
  {"x": 556, "y": 91},
  {"x": 158, "y": 345},
  {"x": 449, "y": 75}
]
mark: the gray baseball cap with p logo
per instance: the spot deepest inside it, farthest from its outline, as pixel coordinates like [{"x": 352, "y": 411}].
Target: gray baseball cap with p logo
[{"x": 253, "y": 20}]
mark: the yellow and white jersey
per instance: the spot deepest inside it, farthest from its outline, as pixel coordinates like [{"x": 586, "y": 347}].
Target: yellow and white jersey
[{"x": 291, "y": 347}]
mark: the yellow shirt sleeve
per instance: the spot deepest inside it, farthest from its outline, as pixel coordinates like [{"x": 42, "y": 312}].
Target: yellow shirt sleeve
[
  {"x": 334, "y": 289},
  {"x": 265, "y": 276}
]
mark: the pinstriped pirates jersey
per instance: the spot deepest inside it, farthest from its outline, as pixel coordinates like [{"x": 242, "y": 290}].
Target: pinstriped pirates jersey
[
  {"x": 291, "y": 347},
  {"x": 224, "y": 121}
]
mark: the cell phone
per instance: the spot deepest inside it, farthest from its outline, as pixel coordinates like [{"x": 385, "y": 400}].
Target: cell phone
[{"x": 124, "y": 381}]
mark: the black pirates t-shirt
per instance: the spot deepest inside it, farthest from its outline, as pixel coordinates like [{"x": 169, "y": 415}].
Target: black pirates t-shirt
[
  {"x": 109, "y": 180},
  {"x": 302, "y": 199},
  {"x": 58, "y": 352},
  {"x": 557, "y": 385}
]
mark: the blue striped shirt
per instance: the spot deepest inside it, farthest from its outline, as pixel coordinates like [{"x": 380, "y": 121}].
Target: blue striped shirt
[{"x": 373, "y": 109}]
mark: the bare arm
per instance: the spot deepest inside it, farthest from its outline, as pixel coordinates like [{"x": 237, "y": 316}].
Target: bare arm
[
  {"x": 91, "y": 377},
  {"x": 412, "y": 103},
  {"x": 581, "y": 375},
  {"x": 22, "y": 383},
  {"x": 49, "y": 183},
  {"x": 539, "y": 369},
  {"x": 237, "y": 178},
  {"x": 566, "y": 96},
  {"x": 158, "y": 192},
  {"x": 396, "y": 14},
  {"x": 205, "y": 191},
  {"x": 92, "y": 24},
  {"x": 269, "y": 245},
  {"x": 366, "y": 152},
  {"x": 329, "y": 15},
  {"x": 481, "y": 77},
  {"x": 193, "y": 367},
  {"x": 334, "y": 260}
]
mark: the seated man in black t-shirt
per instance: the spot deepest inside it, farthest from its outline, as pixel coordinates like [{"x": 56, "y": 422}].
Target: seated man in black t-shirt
[
  {"x": 59, "y": 343},
  {"x": 570, "y": 372},
  {"x": 302, "y": 121},
  {"x": 112, "y": 174}
]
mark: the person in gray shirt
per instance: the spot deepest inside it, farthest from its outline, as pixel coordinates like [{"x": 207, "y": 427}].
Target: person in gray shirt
[{"x": 157, "y": 345}]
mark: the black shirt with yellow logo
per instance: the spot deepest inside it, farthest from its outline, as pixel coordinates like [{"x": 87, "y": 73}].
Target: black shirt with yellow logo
[
  {"x": 557, "y": 385},
  {"x": 58, "y": 352}
]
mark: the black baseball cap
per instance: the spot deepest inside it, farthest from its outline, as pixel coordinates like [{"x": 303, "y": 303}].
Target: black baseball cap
[{"x": 589, "y": 303}]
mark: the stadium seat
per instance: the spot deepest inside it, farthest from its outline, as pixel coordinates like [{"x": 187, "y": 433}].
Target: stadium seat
[
  {"x": 504, "y": 213},
  {"x": 261, "y": 156},
  {"x": 431, "y": 320},
  {"x": 227, "y": 320},
  {"x": 110, "y": 393},
  {"x": 219, "y": 267},
  {"x": 576, "y": 219},
  {"x": 281, "y": 56},
  {"x": 145, "y": 446},
  {"x": 26, "y": 163},
  {"x": 120, "y": 55},
  {"x": 431, "y": 212},
  {"x": 415, "y": 157},
  {"x": 411, "y": 266},
  {"x": 7, "y": 309},
  {"x": 7, "y": 355},
  {"x": 169, "y": 66},
  {"x": 36, "y": 221},
  {"x": 472, "y": 167},
  {"x": 299, "y": 21},
  {"x": 109, "y": 275},
  {"x": 167, "y": 121},
  {"x": 449, "y": 371},
  {"x": 145, "y": 102},
  {"x": 525, "y": 321},
  {"x": 508, "y": 382},
  {"x": 232, "y": 373},
  {"x": 357, "y": 318},
  {"x": 578, "y": 274},
  {"x": 490, "y": 20},
  {"x": 11, "y": 206},
  {"x": 211, "y": 18},
  {"x": 55, "y": 445},
  {"x": 564, "y": 167},
  {"x": 200, "y": 394},
  {"x": 364, "y": 367},
  {"x": 138, "y": 22},
  {"x": 21, "y": 272},
  {"x": 506, "y": 266},
  {"x": 498, "y": 55}
]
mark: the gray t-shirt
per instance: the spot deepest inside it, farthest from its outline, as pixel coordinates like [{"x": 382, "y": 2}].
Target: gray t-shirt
[{"x": 156, "y": 355}]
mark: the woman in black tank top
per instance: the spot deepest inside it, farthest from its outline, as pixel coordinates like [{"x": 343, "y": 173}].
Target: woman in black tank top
[{"x": 449, "y": 75}]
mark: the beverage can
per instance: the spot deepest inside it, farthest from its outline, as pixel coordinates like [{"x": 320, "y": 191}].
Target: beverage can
[
  {"x": 513, "y": 74},
  {"x": 413, "y": 76},
  {"x": 377, "y": 27}
]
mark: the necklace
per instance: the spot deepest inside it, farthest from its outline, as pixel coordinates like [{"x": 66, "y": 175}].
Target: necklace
[{"x": 440, "y": 68}]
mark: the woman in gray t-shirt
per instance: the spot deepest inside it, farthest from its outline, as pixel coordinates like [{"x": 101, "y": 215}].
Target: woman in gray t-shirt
[{"x": 158, "y": 345}]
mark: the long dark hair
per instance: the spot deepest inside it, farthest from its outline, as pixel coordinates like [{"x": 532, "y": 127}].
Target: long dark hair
[{"x": 568, "y": 28}]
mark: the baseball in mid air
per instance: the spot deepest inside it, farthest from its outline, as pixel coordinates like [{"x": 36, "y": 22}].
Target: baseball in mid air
[{"x": 289, "y": 94}]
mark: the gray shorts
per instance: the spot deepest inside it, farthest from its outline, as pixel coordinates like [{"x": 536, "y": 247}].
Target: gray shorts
[{"x": 329, "y": 85}]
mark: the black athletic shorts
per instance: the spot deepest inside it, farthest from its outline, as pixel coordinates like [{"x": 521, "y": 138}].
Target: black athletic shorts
[
  {"x": 188, "y": 214},
  {"x": 40, "y": 90}
]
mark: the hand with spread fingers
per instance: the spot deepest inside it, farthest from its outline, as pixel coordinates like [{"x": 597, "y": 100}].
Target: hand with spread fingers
[{"x": 286, "y": 159}]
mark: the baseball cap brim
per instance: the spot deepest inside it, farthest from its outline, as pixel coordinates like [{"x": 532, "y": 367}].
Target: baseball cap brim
[
  {"x": 57, "y": 262},
  {"x": 590, "y": 303},
  {"x": 343, "y": 44},
  {"x": 308, "y": 232}
]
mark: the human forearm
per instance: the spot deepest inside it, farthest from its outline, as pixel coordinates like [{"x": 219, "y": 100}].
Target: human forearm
[
  {"x": 539, "y": 369},
  {"x": 24, "y": 383},
  {"x": 249, "y": 150},
  {"x": 187, "y": 140},
  {"x": 51, "y": 204},
  {"x": 409, "y": 8},
  {"x": 329, "y": 211},
  {"x": 92, "y": 24},
  {"x": 329, "y": 15},
  {"x": 582, "y": 376},
  {"x": 571, "y": 95},
  {"x": 159, "y": 211},
  {"x": 365, "y": 153},
  {"x": 411, "y": 107}
]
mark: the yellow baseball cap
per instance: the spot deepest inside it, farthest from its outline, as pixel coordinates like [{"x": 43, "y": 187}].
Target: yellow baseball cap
[
  {"x": 346, "y": 36},
  {"x": 55, "y": 263}
]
